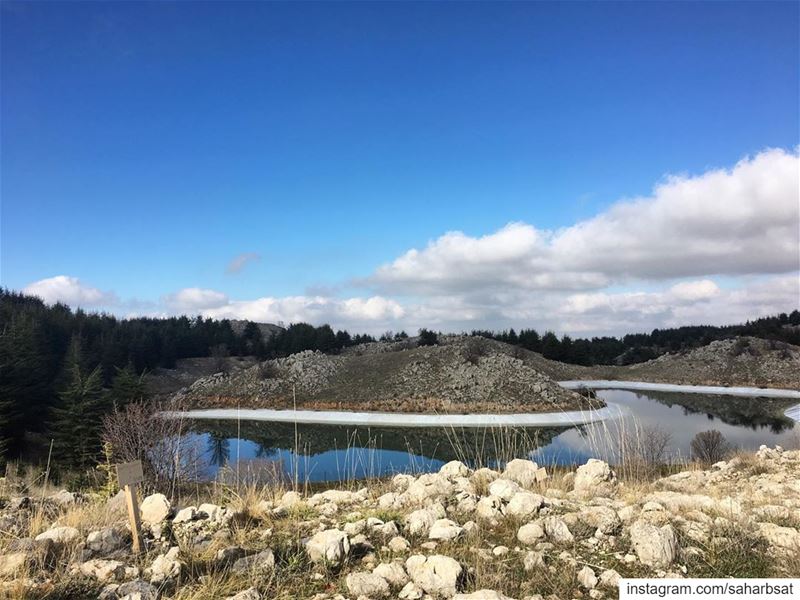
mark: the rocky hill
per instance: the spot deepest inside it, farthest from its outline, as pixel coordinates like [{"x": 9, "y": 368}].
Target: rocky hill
[
  {"x": 742, "y": 361},
  {"x": 462, "y": 374},
  {"x": 522, "y": 533}
]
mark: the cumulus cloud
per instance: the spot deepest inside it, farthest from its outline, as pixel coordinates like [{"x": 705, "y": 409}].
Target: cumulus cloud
[
  {"x": 716, "y": 248},
  {"x": 239, "y": 262},
  {"x": 724, "y": 222},
  {"x": 693, "y": 302},
  {"x": 71, "y": 291},
  {"x": 366, "y": 312},
  {"x": 195, "y": 300}
]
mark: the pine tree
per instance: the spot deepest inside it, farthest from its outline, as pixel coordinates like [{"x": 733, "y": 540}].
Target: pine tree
[
  {"x": 126, "y": 387},
  {"x": 23, "y": 391},
  {"x": 75, "y": 425}
]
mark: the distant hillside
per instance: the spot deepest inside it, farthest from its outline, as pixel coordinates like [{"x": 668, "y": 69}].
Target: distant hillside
[
  {"x": 268, "y": 330},
  {"x": 463, "y": 374},
  {"x": 744, "y": 361}
]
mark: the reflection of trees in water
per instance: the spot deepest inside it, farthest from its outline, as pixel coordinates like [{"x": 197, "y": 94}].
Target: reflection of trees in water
[
  {"x": 477, "y": 446},
  {"x": 219, "y": 446},
  {"x": 754, "y": 413}
]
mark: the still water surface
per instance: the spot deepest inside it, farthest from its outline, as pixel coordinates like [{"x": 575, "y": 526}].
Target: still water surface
[{"x": 254, "y": 450}]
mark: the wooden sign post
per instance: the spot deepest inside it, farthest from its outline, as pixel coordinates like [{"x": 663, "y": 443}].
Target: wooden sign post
[{"x": 129, "y": 475}]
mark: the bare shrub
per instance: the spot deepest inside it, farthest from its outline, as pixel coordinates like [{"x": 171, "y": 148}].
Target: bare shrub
[
  {"x": 644, "y": 450},
  {"x": 220, "y": 354},
  {"x": 473, "y": 350},
  {"x": 710, "y": 446},
  {"x": 140, "y": 431}
]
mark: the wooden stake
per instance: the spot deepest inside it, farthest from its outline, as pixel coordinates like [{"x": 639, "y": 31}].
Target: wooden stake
[
  {"x": 133, "y": 515},
  {"x": 129, "y": 475}
]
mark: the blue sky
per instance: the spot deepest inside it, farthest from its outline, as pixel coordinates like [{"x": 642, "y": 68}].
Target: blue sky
[{"x": 147, "y": 145}]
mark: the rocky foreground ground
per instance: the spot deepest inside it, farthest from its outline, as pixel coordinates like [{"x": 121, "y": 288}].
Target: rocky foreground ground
[{"x": 458, "y": 533}]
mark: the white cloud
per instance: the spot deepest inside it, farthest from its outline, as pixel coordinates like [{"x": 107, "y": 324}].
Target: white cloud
[
  {"x": 369, "y": 313},
  {"x": 239, "y": 262},
  {"x": 695, "y": 290},
  {"x": 667, "y": 251},
  {"x": 725, "y": 222},
  {"x": 70, "y": 290},
  {"x": 194, "y": 300}
]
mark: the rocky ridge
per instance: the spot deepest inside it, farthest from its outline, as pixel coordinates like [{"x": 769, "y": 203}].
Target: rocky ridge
[
  {"x": 741, "y": 361},
  {"x": 462, "y": 374},
  {"x": 459, "y": 533}
]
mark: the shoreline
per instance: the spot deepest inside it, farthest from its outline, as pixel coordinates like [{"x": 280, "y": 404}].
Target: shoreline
[
  {"x": 386, "y": 419},
  {"x": 537, "y": 419},
  {"x": 613, "y": 384}
]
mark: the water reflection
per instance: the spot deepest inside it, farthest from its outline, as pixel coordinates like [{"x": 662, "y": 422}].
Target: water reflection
[{"x": 320, "y": 452}]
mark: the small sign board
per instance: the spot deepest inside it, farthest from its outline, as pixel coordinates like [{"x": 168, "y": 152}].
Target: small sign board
[{"x": 130, "y": 473}]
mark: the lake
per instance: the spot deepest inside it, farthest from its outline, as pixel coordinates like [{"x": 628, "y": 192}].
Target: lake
[{"x": 257, "y": 450}]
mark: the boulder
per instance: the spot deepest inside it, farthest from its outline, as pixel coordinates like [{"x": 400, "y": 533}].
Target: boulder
[
  {"x": 595, "y": 478},
  {"x": 215, "y": 513},
  {"x": 603, "y": 519},
  {"x": 330, "y": 546},
  {"x": 367, "y": 584},
  {"x": 453, "y": 469},
  {"x": 609, "y": 579},
  {"x": 428, "y": 488},
  {"x": 503, "y": 489},
  {"x": 420, "y": 521},
  {"x": 533, "y": 560},
  {"x": 59, "y": 535},
  {"x": 155, "y": 509},
  {"x": 489, "y": 508},
  {"x": 531, "y": 533},
  {"x": 138, "y": 589},
  {"x": 557, "y": 530},
  {"x": 655, "y": 546},
  {"x": 107, "y": 570},
  {"x": 782, "y": 538},
  {"x": 399, "y": 544},
  {"x": 411, "y": 591},
  {"x": 185, "y": 515},
  {"x": 587, "y": 578},
  {"x": 393, "y": 573},
  {"x": 444, "y": 529},
  {"x": 483, "y": 476},
  {"x": 523, "y": 472},
  {"x": 105, "y": 541},
  {"x": 166, "y": 568},
  {"x": 63, "y": 498},
  {"x": 436, "y": 575},
  {"x": 255, "y": 563},
  {"x": 523, "y": 505}
]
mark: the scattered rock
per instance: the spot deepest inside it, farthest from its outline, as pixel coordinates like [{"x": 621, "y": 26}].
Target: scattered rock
[
  {"x": 367, "y": 584},
  {"x": 436, "y": 575},
  {"x": 59, "y": 535},
  {"x": 587, "y": 578},
  {"x": 393, "y": 573},
  {"x": 444, "y": 529},
  {"x": 655, "y": 546},
  {"x": 595, "y": 478},
  {"x": 155, "y": 509},
  {"x": 330, "y": 546},
  {"x": 105, "y": 541}
]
